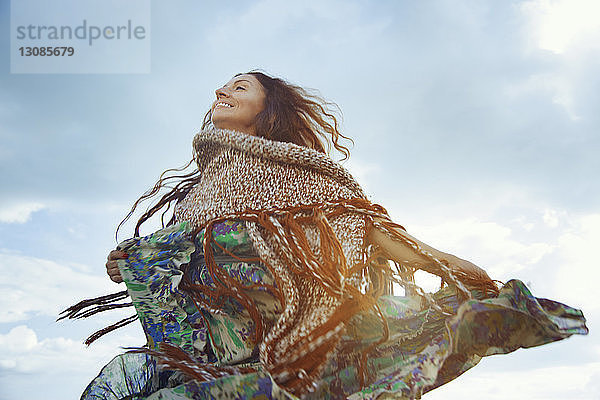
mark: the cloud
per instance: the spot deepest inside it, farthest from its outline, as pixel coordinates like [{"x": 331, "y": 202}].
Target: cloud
[
  {"x": 579, "y": 273},
  {"x": 19, "y": 213},
  {"x": 20, "y": 337},
  {"x": 560, "y": 25},
  {"x": 551, "y": 217},
  {"x": 22, "y": 352},
  {"x": 569, "y": 31},
  {"x": 362, "y": 171},
  {"x": 569, "y": 382},
  {"x": 34, "y": 286},
  {"x": 59, "y": 367},
  {"x": 551, "y": 249},
  {"x": 489, "y": 244}
]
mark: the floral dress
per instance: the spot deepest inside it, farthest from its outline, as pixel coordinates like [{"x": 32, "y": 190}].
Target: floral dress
[{"x": 425, "y": 347}]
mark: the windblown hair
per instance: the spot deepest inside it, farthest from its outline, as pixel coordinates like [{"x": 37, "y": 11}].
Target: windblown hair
[
  {"x": 291, "y": 114},
  {"x": 295, "y": 115}
]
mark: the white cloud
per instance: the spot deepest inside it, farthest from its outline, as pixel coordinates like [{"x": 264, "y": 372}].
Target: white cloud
[
  {"x": 569, "y": 382},
  {"x": 550, "y": 249},
  {"x": 33, "y": 289},
  {"x": 59, "y": 367},
  {"x": 579, "y": 273},
  {"x": 19, "y": 337},
  {"x": 34, "y": 286},
  {"x": 19, "y": 213},
  {"x": 551, "y": 217},
  {"x": 489, "y": 244},
  {"x": 22, "y": 352},
  {"x": 570, "y": 31},
  {"x": 362, "y": 171},
  {"x": 560, "y": 25}
]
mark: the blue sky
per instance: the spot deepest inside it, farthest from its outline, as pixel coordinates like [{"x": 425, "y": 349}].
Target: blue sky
[{"x": 475, "y": 123}]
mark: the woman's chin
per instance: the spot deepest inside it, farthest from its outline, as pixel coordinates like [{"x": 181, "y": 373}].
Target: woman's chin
[
  {"x": 247, "y": 131},
  {"x": 220, "y": 124}
]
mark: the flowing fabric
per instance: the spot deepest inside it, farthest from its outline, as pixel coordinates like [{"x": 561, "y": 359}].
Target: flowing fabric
[{"x": 425, "y": 348}]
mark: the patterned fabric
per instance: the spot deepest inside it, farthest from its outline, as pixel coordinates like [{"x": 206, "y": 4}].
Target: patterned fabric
[{"x": 425, "y": 348}]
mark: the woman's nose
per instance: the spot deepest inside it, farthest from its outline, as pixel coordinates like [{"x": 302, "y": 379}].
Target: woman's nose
[{"x": 221, "y": 92}]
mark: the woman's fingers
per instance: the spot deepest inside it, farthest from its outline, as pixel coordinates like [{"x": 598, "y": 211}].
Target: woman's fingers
[
  {"x": 115, "y": 275},
  {"x": 112, "y": 265},
  {"x": 116, "y": 255},
  {"x": 112, "y": 269},
  {"x": 116, "y": 278}
]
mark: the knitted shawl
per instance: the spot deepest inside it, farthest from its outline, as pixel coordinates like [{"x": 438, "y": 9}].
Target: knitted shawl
[
  {"x": 296, "y": 203},
  {"x": 308, "y": 220}
]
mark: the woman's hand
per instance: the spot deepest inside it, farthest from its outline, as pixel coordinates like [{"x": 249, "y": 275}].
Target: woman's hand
[
  {"x": 112, "y": 269},
  {"x": 467, "y": 267},
  {"x": 405, "y": 254}
]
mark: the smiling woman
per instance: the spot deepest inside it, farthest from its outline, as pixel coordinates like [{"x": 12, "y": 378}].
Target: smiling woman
[
  {"x": 238, "y": 103},
  {"x": 272, "y": 278}
]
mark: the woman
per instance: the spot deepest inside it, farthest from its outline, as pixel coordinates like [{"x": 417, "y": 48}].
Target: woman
[{"x": 272, "y": 277}]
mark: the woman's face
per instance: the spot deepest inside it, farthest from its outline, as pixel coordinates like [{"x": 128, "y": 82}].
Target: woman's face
[{"x": 238, "y": 103}]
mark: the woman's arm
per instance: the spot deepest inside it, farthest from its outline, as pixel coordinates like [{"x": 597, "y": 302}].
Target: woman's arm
[{"x": 405, "y": 254}]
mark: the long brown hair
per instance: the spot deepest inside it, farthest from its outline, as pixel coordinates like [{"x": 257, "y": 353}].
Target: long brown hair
[{"x": 291, "y": 114}]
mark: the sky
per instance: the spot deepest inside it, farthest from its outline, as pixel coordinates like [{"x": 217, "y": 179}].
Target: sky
[{"x": 475, "y": 123}]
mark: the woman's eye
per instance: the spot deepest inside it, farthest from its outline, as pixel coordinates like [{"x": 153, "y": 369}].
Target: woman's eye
[{"x": 240, "y": 87}]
